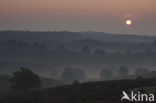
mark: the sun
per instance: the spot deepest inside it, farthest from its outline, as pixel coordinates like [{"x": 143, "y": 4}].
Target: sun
[{"x": 128, "y": 22}]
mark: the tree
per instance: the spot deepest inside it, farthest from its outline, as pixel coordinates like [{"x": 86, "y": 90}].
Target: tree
[
  {"x": 76, "y": 82},
  {"x": 123, "y": 71},
  {"x": 106, "y": 74},
  {"x": 24, "y": 79}
]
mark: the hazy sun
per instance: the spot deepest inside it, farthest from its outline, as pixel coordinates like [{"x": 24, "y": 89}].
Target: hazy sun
[{"x": 128, "y": 22}]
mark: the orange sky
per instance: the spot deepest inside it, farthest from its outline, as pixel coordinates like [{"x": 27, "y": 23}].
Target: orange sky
[{"x": 78, "y": 15}]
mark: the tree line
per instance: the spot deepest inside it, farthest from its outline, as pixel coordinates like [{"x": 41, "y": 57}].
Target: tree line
[{"x": 25, "y": 79}]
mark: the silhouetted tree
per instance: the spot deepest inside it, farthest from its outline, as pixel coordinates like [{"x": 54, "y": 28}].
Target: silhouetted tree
[
  {"x": 76, "y": 82},
  {"x": 106, "y": 74},
  {"x": 123, "y": 71},
  {"x": 24, "y": 79}
]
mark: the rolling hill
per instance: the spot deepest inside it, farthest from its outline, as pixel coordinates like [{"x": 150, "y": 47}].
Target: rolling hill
[{"x": 91, "y": 92}]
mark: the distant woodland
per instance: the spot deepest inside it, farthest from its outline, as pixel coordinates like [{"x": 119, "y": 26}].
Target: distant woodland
[{"x": 93, "y": 51}]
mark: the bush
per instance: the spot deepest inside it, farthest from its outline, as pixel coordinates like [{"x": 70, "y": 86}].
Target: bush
[
  {"x": 76, "y": 82},
  {"x": 24, "y": 79}
]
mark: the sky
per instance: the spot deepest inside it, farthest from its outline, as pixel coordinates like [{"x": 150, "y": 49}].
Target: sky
[{"x": 79, "y": 15}]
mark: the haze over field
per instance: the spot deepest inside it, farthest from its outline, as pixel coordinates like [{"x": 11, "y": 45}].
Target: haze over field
[
  {"x": 76, "y": 51},
  {"x": 79, "y": 15}
]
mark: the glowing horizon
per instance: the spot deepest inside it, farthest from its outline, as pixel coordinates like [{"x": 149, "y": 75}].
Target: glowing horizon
[{"x": 78, "y": 15}]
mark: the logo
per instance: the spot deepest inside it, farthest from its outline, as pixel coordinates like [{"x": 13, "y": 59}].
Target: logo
[{"x": 137, "y": 96}]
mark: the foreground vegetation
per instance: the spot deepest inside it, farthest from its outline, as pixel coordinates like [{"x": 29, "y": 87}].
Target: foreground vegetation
[{"x": 91, "y": 92}]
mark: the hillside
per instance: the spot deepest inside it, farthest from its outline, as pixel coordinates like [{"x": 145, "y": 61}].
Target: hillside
[
  {"x": 46, "y": 82},
  {"x": 102, "y": 36},
  {"x": 69, "y": 36},
  {"x": 91, "y": 92},
  {"x": 45, "y": 52}
]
